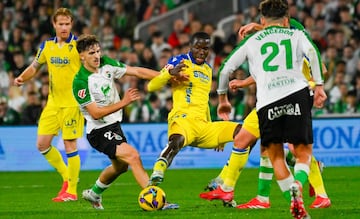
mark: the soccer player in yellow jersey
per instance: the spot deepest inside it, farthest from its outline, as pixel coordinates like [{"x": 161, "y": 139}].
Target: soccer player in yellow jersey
[
  {"x": 189, "y": 121},
  {"x": 61, "y": 111}
]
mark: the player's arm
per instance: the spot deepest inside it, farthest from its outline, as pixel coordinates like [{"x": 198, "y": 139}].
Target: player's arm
[
  {"x": 28, "y": 73},
  {"x": 316, "y": 68},
  {"x": 159, "y": 81},
  {"x": 167, "y": 73},
  {"x": 140, "y": 72},
  {"x": 98, "y": 112},
  {"x": 248, "y": 29},
  {"x": 236, "y": 83},
  {"x": 231, "y": 63}
]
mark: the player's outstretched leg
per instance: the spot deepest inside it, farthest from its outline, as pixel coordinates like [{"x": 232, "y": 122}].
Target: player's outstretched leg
[{"x": 176, "y": 142}]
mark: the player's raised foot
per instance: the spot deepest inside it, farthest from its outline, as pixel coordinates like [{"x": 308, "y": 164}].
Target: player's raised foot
[
  {"x": 63, "y": 188},
  {"x": 321, "y": 202},
  {"x": 170, "y": 206},
  {"x": 254, "y": 203},
  {"x": 93, "y": 198},
  {"x": 297, "y": 208},
  {"x": 218, "y": 193},
  {"x": 156, "y": 178},
  {"x": 65, "y": 197}
]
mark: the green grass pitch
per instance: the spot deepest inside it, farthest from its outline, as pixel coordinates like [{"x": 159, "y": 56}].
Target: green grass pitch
[{"x": 28, "y": 195}]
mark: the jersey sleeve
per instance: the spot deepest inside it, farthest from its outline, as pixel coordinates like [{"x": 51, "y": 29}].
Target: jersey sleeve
[
  {"x": 81, "y": 92},
  {"x": 159, "y": 81},
  {"x": 118, "y": 67},
  {"x": 231, "y": 63},
  {"x": 310, "y": 51},
  {"x": 294, "y": 24},
  {"x": 40, "y": 55}
]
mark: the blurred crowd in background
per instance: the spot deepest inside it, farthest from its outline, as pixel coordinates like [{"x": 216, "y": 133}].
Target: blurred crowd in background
[{"x": 334, "y": 25}]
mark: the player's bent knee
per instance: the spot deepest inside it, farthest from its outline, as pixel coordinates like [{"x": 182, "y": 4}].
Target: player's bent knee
[
  {"x": 237, "y": 130},
  {"x": 42, "y": 148}
]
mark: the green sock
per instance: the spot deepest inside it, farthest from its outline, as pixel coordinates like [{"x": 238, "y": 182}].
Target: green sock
[
  {"x": 285, "y": 186},
  {"x": 99, "y": 187},
  {"x": 301, "y": 172},
  {"x": 266, "y": 173}
]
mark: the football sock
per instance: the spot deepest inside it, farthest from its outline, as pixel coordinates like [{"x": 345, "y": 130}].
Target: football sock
[
  {"x": 284, "y": 185},
  {"x": 74, "y": 170},
  {"x": 99, "y": 187},
  {"x": 160, "y": 165},
  {"x": 266, "y": 173},
  {"x": 301, "y": 172},
  {"x": 237, "y": 162},
  {"x": 53, "y": 156},
  {"x": 223, "y": 173},
  {"x": 315, "y": 178},
  {"x": 290, "y": 158}
]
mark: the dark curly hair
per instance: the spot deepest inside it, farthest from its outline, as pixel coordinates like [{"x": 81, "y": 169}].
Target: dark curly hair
[
  {"x": 274, "y": 8},
  {"x": 85, "y": 41}
]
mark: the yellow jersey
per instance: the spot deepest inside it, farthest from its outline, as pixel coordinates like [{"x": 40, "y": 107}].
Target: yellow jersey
[
  {"x": 190, "y": 98},
  {"x": 63, "y": 63}
]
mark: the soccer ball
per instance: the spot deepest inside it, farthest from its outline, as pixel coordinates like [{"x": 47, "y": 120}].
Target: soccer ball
[{"x": 151, "y": 198}]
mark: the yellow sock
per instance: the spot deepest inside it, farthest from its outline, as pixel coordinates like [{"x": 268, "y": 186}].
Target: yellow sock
[
  {"x": 237, "y": 161},
  {"x": 224, "y": 171},
  {"x": 315, "y": 178},
  {"x": 74, "y": 170},
  {"x": 53, "y": 156},
  {"x": 160, "y": 165}
]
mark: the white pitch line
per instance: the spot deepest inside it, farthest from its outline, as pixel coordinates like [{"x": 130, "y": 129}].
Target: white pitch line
[{"x": 21, "y": 186}]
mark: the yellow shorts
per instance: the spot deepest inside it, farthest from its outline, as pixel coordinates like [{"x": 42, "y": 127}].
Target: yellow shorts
[
  {"x": 251, "y": 124},
  {"x": 67, "y": 119},
  {"x": 203, "y": 134}
]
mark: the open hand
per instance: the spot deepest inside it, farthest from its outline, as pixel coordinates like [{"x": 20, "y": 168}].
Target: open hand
[
  {"x": 131, "y": 95},
  {"x": 224, "y": 110}
]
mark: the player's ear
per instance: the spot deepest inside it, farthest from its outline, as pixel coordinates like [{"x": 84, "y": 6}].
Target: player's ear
[{"x": 82, "y": 58}]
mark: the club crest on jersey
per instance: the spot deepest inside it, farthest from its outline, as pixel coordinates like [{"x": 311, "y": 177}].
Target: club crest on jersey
[
  {"x": 70, "y": 47},
  {"x": 82, "y": 93}
]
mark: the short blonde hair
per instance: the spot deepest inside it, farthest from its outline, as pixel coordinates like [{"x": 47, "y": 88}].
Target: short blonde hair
[{"x": 62, "y": 12}]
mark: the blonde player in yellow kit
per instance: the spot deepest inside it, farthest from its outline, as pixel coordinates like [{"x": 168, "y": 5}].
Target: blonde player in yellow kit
[
  {"x": 189, "y": 121},
  {"x": 61, "y": 111}
]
